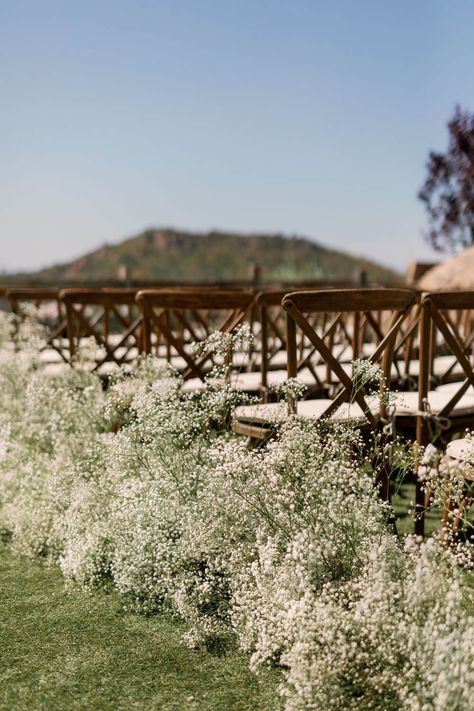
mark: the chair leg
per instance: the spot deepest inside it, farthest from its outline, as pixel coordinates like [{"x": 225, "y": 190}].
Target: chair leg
[
  {"x": 453, "y": 522},
  {"x": 419, "y": 509},
  {"x": 420, "y": 495},
  {"x": 383, "y": 481},
  {"x": 383, "y": 475}
]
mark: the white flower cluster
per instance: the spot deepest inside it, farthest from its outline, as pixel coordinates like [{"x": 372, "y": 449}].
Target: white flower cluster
[
  {"x": 222, "y": 348},
  {"x": 291, "y": 389},
  {"x": 365, "y": 374},
  {"x": 283, "y": 548},
  {"x": 6, "y": 329},
  {"x": 443, "y": 480}
]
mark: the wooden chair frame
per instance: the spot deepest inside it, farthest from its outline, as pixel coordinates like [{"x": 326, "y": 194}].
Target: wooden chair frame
[
  {"x": 441, "y": 311},
  {"x": 157, "y": 306},
  {"x": 437, "y": 311},
  {"x": 108, "y": 300},
  {"x": 37, "y": 296},
  {"x": 269, "y": 302},
  {"x": 362, "y": 303}
]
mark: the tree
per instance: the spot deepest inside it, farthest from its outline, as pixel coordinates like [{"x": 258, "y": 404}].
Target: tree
[{"x": 448, "y": 191}]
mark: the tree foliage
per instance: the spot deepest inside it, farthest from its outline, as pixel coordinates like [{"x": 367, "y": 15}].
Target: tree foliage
[{"x": 448, "y": 191}]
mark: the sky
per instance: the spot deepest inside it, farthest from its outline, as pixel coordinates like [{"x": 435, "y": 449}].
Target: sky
[{"x": 306, "y": 117}]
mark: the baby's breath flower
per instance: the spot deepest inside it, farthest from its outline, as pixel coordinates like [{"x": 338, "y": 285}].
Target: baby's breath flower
[{"x": 283, "y": 548}]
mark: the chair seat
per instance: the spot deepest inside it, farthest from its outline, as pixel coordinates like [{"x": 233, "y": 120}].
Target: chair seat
[
  {"x": 441, "y": 365},
  {"x": 461, "y": 451},
  {"x": 53, "y": 369},
  {"x": 251, "y": 382},
  {"x": 277, "y": 413},
  {"x": 452, "y": 388},
  {"x": 407, "y": 403},
  {"x": 244, "y": 381},
  {"x": 50, "y": 355},
  {"x": 277, "y": 361}
]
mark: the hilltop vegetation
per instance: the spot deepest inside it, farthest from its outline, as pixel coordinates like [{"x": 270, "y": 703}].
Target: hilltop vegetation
[{"x": 166, "y": 254}]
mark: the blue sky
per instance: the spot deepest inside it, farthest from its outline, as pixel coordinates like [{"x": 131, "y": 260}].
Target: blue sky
[{"x": 305, "y": 117}]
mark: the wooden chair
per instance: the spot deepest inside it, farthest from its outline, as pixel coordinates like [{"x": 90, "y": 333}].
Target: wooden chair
[
  {"x": 460, "y": 456},
  {"x": 178, "y": 317},
  {"x": 51, "y": 314},
  {"x": 349, "y": 318},
  {"x": 111, "y": 317},
  {"x": 268, "y": 366},
  {"x": 433, "y": 401},
  {"x": 444, "y": 403}
]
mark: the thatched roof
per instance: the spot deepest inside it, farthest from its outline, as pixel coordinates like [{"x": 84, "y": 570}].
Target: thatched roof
[
  {"x": 416, "y": 270},
  {"x": 457, "y": 274}
]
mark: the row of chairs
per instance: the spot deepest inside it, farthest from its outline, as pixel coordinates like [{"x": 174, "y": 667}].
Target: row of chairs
[
  {"x": 326, "y": 331},
  {"x": 125, "y": 323},
  {"x": 423, "y": 343}
]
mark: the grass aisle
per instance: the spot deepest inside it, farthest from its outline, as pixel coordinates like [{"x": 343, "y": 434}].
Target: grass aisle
[{"x": 73, "y": 650}]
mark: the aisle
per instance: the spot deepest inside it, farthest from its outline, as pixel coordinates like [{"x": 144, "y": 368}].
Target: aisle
[{"x": 70, "y": 650}]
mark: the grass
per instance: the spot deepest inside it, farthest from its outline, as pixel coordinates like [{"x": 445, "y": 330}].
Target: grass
[
  {"x": 403, "y": 502},
  {"x": 71, "y": 650}
]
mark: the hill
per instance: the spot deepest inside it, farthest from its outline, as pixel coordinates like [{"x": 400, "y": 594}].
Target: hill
[{"x": 167, "y": 254}]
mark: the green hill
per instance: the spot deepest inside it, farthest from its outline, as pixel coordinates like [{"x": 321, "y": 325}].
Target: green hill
[{"x": 167, "y": 254}]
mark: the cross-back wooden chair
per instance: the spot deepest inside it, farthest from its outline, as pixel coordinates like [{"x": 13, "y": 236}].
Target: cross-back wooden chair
[
  {"x": 459, "y": 457},
  {"x": 162, "y": 348},
  {"x": 349, "y": 312},
  {"x": 179, "y": 317},
  {"x": 111, "y": 317},
  {"x": 268, "y": 367},
  {"x": 377, "y": 316},
  {"x": 50, "y": 313},
  {"x": 445, "y": 400},
  {"x": 273, "y": 323}
]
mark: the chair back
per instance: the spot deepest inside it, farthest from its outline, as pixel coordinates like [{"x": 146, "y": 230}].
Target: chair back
[
  {"x": 50, "y": 312},
  {"x": 176, "y": 318},
  {"x": 341, "y": 326},
  {"x": 111, "y": 317},
  {"x": 446, "y": 345},
  {"x": 269, "y": 345}
]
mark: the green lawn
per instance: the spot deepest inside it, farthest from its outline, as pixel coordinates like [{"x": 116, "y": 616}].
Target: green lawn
[
  {"x": 403, "y": 501},
  {"x": 74, "y": 650}
]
